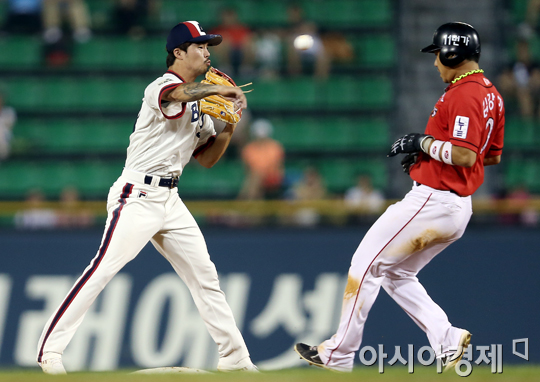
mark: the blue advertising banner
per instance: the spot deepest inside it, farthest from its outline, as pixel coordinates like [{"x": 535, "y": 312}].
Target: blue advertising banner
[{"x": 284, "y": 286}]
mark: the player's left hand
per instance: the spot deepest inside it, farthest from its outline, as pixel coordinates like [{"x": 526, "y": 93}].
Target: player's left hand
[
  {"x": 409, "y": 143},
  {"x": 407, "y": 161}
]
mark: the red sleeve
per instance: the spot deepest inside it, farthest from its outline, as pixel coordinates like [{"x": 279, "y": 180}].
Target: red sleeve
[
  {"x": 498, "y": 140},
  {"x": 465, "y": 119}
]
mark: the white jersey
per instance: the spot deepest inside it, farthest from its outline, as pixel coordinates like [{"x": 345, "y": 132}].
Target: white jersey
[{"x": 167, "y": 134}]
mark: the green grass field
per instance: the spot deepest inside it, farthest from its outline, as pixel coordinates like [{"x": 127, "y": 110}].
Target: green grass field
[{"x": 311, "y": 374}]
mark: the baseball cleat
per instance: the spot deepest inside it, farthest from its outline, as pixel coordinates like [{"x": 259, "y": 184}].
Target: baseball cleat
[
  {"x": 450, "y": 361},
  {"x": 51, "y": 363},
  {"x": 309, "y": 354},
  {"x": 243, "y": 365}
]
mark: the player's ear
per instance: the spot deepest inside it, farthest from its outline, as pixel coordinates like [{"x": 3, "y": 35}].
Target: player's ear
[{"x": 178, "y": 53}]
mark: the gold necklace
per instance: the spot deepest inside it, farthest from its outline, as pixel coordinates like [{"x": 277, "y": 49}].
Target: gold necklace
[{"x": 467, "y": 74}]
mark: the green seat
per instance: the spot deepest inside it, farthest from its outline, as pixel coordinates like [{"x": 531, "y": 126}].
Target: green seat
[
  {"x": 205, "y": 13},
  {"x": 374, "y": 50},
  {"x": 370, "y": 134},
  {"x": 360, "y": 93},
  {"x": 224, "y": 180},
  {"x": 20, "y": 52},
  {"x": 349, "y": 13},
  {"x": 108, "y": 136},
  {"x": 332, "y": 134},
  {"x": 293, "y": 94},
  {"x": 56, "y": 176},
  {"x": 118, "y": 53},
  {"x": 94, "y": 178},
  {"x": 520, "y": 133},
  {"x": 522, "y": 172},
  {"x": 265, "y": 13},
  {"x": 340, "y": 174},
  {"x": 17, "y": 178},
  {"x": 80, "y": 94},
  {"x": 298, "y": 134},
  {"x": 266, "y": 94}
]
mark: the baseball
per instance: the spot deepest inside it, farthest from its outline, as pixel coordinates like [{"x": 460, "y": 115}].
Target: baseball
[{"x": 303, "y": 42}]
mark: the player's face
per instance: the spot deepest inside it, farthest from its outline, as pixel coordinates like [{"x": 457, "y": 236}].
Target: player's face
[
  {"x": 445, "y": 72},
  {"x": 198, "y": 58}
]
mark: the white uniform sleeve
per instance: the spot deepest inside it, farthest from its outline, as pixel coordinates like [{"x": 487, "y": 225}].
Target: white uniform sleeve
[
  {"x": 207, "y": 134},
  {"x": 154, "y": 92}
]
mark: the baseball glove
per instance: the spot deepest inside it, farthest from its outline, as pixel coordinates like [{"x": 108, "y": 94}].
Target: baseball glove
[{"x": 217, "y": 106}]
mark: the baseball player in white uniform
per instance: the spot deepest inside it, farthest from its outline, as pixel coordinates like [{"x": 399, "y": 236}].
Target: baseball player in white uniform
[{"x": 143, "y": 204}]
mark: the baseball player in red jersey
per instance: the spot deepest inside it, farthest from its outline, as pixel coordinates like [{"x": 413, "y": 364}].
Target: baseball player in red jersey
[
  {"x": 464, "y": 133},
  {"x": 143, "y": 204}
]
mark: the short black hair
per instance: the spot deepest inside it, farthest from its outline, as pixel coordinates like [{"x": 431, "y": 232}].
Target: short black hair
[{"x": 171, "y": 57}]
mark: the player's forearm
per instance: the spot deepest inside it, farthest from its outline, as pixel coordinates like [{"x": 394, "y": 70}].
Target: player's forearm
[
  {"x": 191, "y": 91},
  {"x": 461, "y": 156},
  {"x": 213, "y": 154},
  {"x": 490, "y": 161}
]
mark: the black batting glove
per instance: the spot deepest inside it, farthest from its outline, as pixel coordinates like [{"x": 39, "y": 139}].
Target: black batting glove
[
  {"x": 407, "y": 161},
  {"x": 410, "y": 143}
]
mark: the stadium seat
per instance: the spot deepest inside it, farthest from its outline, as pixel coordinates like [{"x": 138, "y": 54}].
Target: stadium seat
[
  {"x": 520, "y": 133},
  {"x": 349, "y": 13},
  {"x": 358, "y": 93},
  {"x": 78, "y": 94},
  {"x": 73, "y": 136},
  {"x": 374, "y": 50},
  {"x": 340, "y": 174},
  {"x": 20, "y": 52},
  {"x": 224, "y": 180},
  {"x": 332, "y": 134}
]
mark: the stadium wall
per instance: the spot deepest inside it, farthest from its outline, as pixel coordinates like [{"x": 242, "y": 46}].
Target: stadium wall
[{"x": 284, "y": 286}]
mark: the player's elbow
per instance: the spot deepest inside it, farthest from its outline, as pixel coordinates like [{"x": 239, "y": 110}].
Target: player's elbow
[{"x": 463, "y": 157}]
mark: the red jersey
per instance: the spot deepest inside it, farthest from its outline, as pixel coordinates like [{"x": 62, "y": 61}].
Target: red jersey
[{"x": 469, "y": 114}]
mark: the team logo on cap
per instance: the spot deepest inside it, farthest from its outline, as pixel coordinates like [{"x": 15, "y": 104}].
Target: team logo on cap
[{"x": 194, "y": 28}]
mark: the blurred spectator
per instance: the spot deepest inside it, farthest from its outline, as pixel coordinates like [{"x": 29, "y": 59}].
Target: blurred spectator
[
  {"x": 337, "y": 47},
  {"x": 268, "y": 53},
  {"x": 235, "y": 54},
  {"x": 23, "y": 16},
  {"x": 314, "y": 58},
  {"x": 57, "y": 15},
  {"x": 530, "y": 26},
  {"x": 130, "y": 16},
  {"x": 520, "y": 82},
  {"x": 8, "y": 117},
  {"x": 518, "y": 200},
  {"x": 35, "y": 215},
  {"x": 263, "y": 158},
  {"x": 310, "y": 187},
  {"x": 363, "y": 196},
  {"x": 71, "y": 213},
  {"x": 56, "y": 12}
]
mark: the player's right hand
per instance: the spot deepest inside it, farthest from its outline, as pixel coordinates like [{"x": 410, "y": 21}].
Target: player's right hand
[
  {"x": 234, "y": 94},
  {"x": 409, "y": 143},
  {"x": 407, "y": 161}
]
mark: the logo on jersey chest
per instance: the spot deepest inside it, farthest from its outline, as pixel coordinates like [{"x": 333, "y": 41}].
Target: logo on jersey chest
[{"x": 434, "y": 112}]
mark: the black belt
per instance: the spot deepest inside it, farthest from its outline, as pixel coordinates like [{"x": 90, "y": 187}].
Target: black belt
[
  {"x": 452, "y": 191},
  {"x": 163, "y": 182}
]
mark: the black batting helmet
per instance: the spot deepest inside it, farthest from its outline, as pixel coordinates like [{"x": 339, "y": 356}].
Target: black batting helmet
[{"x": 456, "y": 42}]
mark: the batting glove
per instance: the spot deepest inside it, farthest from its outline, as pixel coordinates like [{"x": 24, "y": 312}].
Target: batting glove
[
  {"x": 407, "y": 161},
  {"x": 410, "y": 143}
]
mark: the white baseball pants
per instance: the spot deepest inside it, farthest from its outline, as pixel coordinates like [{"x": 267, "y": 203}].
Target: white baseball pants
[
  {"x": 137, "y": 213},
  {"x": 400, "y": 243}
]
